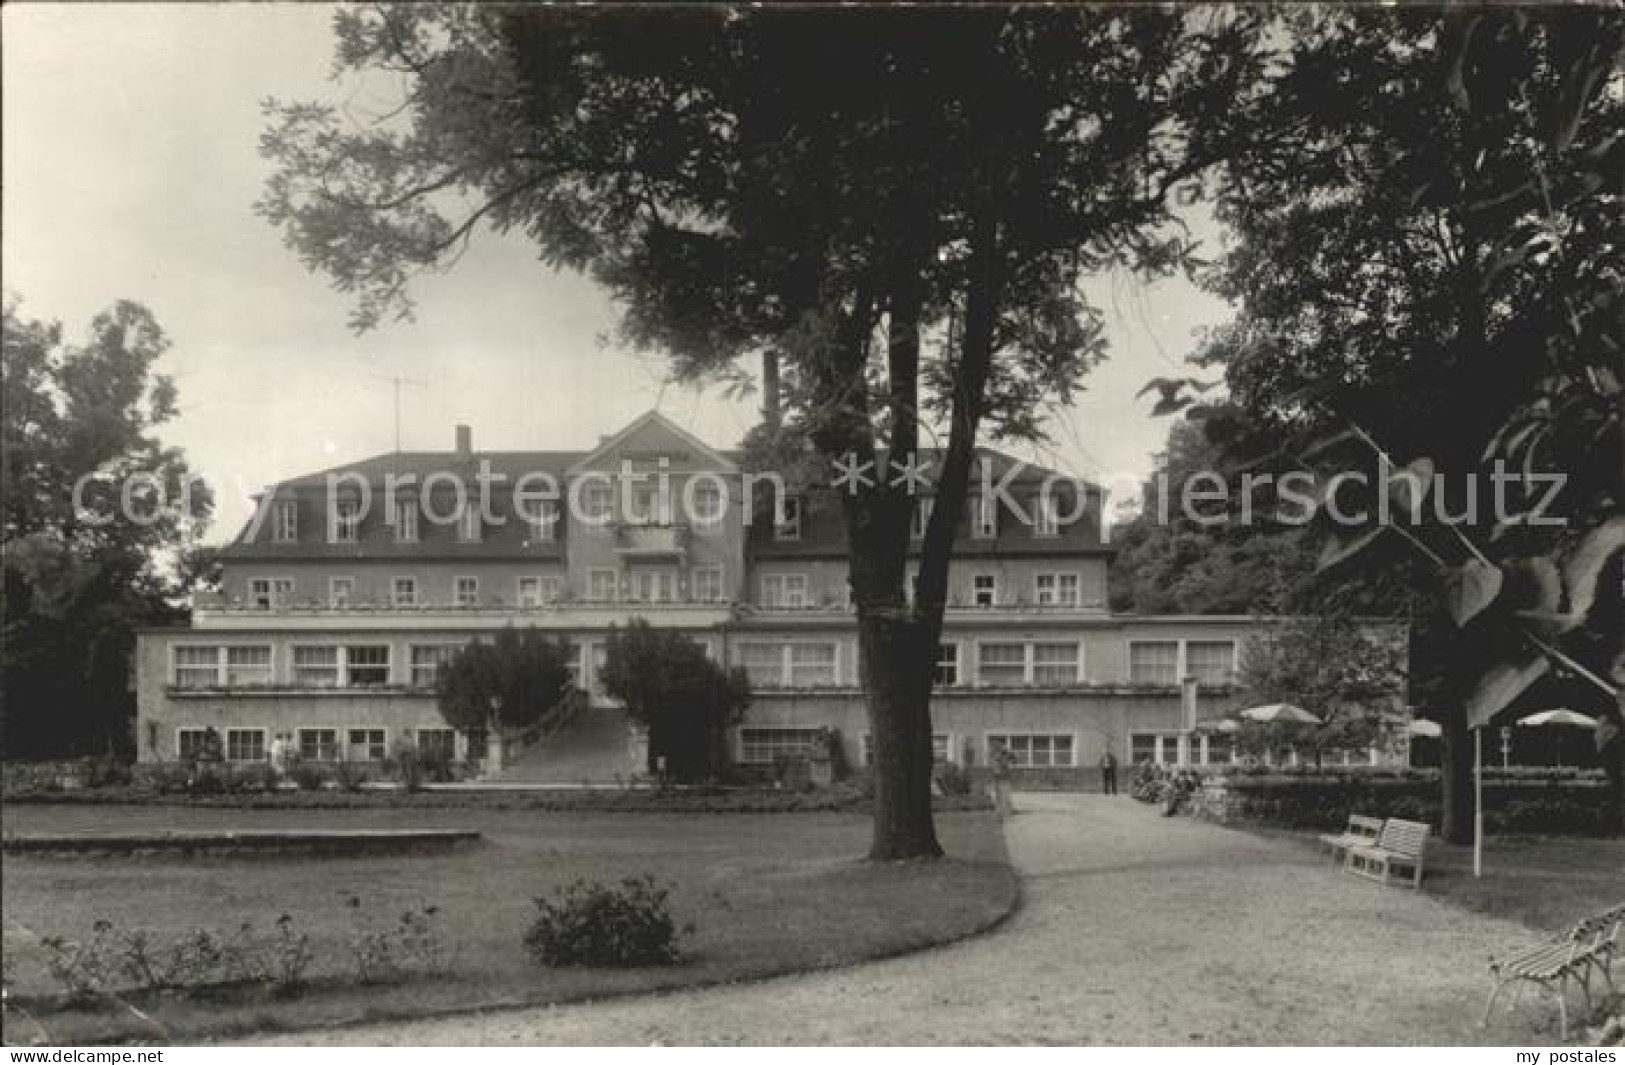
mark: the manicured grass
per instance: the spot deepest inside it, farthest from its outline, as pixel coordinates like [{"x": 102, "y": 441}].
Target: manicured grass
[
  {"x": 1544, "y": 882},
  {"x": 768, "y": 895}
]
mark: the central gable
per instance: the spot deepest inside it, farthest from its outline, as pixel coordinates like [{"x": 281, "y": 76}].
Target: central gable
[{"x": 647, "y": 441}]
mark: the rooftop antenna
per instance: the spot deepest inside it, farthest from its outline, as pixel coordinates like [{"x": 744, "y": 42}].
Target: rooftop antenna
[{"x": 397, "y": 381}]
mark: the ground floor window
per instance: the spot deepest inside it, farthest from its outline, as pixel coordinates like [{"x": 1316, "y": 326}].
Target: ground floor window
[
  {"x": 440, "y": 743},
  {"x": 367, "y": 745},
  {"x": 1160, "y": 748},
  {"x": 763, "y": 746},
  {"x": 318, "y": 745},
  {"x": 245, "y": 745},
  {"x": 1032, "y": 750},
  {"x": 941, "y": 746},
  {"x": 1220, "y": 750},
  {"x": 191, "y": 743}
]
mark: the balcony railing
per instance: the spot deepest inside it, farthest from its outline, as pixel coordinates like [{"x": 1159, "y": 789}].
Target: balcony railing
[{"x": 651, "y": 541}]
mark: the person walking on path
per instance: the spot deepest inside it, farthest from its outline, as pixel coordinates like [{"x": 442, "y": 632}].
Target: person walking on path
[{"x": 1108, "y": 773}]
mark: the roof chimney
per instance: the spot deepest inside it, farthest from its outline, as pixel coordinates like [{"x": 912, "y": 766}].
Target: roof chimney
[
  {"x": 770, "y": 389},
  {"x": 465, "y": 442}
]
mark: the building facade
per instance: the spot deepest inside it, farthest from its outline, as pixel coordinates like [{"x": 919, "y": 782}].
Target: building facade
[{"x": 350, "y": 587}]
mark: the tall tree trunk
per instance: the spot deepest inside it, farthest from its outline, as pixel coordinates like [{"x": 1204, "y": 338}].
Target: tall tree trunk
[
  {"x": 899, "y": 694},
  {"x": 1456, "y": 779}
]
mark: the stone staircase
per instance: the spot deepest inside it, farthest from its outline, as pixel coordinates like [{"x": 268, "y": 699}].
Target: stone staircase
[{"x": 592, "y": 747}]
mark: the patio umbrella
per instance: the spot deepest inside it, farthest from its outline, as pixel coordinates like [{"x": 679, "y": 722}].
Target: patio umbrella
[
  {"x": 1421, "y": 726},
  {"x": 1280, "y": 712},
  {"x": 1559, "y": 717},
  {"x": 1223, "y": 724}
]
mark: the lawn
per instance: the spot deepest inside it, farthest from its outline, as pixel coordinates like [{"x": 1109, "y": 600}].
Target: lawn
[
  {"x": 1544, "y": 882},
  {"x": 767, "y": 894}
]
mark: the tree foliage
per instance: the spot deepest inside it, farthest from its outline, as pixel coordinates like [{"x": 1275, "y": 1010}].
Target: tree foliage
[
  {"x": 1427, "y": 266},
  {"x": 100, "y": 521},
  {"x": 707, "y": 169},
  {"x": 514, "y": 681},
  {"x": 672, "y": 688}
]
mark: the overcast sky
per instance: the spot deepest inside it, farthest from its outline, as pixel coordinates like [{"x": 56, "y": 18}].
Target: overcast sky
[{"x": 130, "y": 171}]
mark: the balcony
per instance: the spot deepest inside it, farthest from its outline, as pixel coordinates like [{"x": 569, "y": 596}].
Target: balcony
[{"x": 651, "y": 542}]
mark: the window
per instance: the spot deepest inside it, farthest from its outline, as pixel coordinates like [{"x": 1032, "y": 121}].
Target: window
[
  {"x": 538, "y": 591},
  {"x": 601, "y": 585},
  {"x": 468, "y": 524},
  {"x": 270, "y": 593},
  {"x": 654, "y": 585},
  {"x": 921, "y": 518},
  {"x": 985, "y": 590},
  {"x": 787, "y": 522},
  {"x": 985, "y": 517},
  {"x": 650, "y": 506},
  {"x": 1033, "y": 751},
  {"x": 219, "y": 667},
  {"x": 347, "y": 521},
  {"x": 795, "y": 665},
  {"x": 597, "y": 503},
  {"x": 947, "y": 665},
  {"x": 766, "y": 745},
  {"x": 354, "y": 666},
  {"x": 1002, "y": 663},
  {"x": 708, "y": 506},
  {"x": 784, "y": 590},
  {"x": 1142, "y": 747},
  {"x": 245, "y": 745},
  {"x": 1210, "y": 661},
  {"x": 467, "y": 591},
  {"x": 1056, "y": 589},
  {"x": 1219, "y": 749},
  {"x": 440, "y": 743},
  {"x": 191, "y": 743},
  {"x": 1055, "y": 664},
  {"x": 543, "y": 521},
  {"x": 812, "y": 665},
  {"x": 366, "y": 745},
  {"x": 366, "y": 665},
  {"x": 427, "y": 661},
  {"x": 941, "y": 745},
  {"x": 406, "y": 520},
  {"x": 404, "y": 591},
  {"x": 248, "y": 665},
  {"x": 708, "y": 584},
  {"x": 339, "y": 592},
  {"x": 1153, "y": 662},
  {"x": 287, "y": 520},
  {"x": 318, "y": 744},
  {"x": 1045, "y": 508}
]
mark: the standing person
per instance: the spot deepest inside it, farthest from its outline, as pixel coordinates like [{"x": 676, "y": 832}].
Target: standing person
[{"x": 1108, "y": 773}]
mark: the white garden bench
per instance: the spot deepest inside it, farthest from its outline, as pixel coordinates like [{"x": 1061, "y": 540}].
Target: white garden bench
[
  {"x": 1402, "y": 845},
  {"x": 1362, "y": 831},
  {"x": 1589, "y": 947}
]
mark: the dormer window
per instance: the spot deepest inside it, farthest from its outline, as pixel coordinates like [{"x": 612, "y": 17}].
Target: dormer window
[
  {"x": 985, "y": 518},
  {"x": 597, "y": 503},
  {"x": 406, "y": 520},
  {"x": 347, "y": 521},
  {"x": 1046, "y": 521},
  {"x": 921, "y": 519},
  {"x": 287, "y": 521},
  {"x": 542, "y": 520},
  {"x": 468, "y": 525},
  {"x": 787, "y": 523}
]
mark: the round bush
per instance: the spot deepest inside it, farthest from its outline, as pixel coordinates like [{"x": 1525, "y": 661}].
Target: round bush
[{"x": 593, "y": 924}]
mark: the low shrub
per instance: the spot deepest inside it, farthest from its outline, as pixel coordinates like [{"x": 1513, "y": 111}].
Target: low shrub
[
  {"x": 85, "y": 970},
  {"x": 954, "y": 779},
  {"x": 384, "y": 954},
  {"x": 311, "y": 776},
  {"x": 351, "y": 775},
  {"x": 594, "y": 924}
]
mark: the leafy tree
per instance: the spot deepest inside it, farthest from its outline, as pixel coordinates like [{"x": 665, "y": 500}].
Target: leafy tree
[
  {"x": 674, "y": 690},
  {"x": 516, "y": 680},
  {"x": 705, "y": 166},
  {"x": 1343, "y": 672},
  {"x": 97, "y": 516},
  {"x": 1192, "y": 549},
  {"x": 1427, "y": 268}
]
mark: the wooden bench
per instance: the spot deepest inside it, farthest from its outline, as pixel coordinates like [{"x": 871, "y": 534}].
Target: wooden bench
[
  {"x": 1402, "y": 845},
  {"x": 1588, "y": 948},
  {"x": 1362, "y": 831}
]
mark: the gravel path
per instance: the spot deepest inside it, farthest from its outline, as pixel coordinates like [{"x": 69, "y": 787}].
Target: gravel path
[{"x": 1133, "y": 930}]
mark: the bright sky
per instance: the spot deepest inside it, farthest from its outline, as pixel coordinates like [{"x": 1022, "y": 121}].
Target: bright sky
[{"x": 130, "y": 171}]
